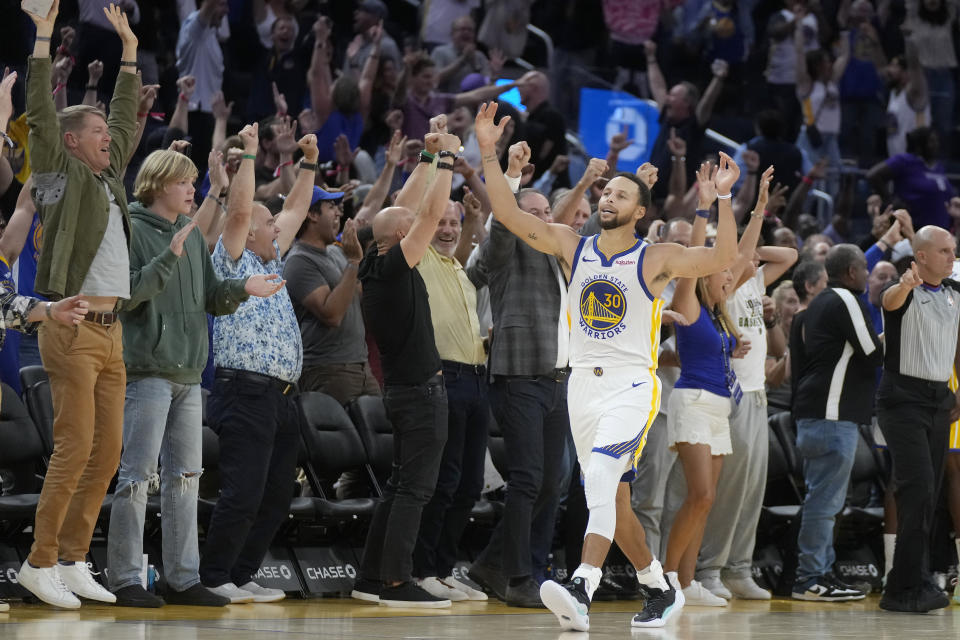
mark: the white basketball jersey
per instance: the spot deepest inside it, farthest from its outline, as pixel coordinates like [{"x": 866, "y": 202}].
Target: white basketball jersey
[{"x": 614, "y": 320}]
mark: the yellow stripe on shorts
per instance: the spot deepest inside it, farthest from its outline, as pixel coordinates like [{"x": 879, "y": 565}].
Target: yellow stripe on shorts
[{"x": 954, "y": 442}]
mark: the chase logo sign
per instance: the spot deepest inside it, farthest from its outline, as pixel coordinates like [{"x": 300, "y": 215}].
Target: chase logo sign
[{"x": 603, "y": 114}]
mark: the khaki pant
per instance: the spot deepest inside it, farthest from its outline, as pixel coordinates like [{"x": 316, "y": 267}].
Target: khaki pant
[
  {"x": 344, "y": 382},
  {"x": 87, "y": 382}
]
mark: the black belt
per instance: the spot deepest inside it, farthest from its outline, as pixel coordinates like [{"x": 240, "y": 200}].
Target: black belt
[
  {"x": 557, "y": 375},
  {"x": 915, "y": 382},
  {"x": 284, "y": 387},
  {"x": 462, "y": 367},
  {"x": 103, "y": 318}
]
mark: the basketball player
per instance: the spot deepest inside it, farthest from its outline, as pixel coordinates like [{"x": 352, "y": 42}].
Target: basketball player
[{"x": 614, "y": 394}]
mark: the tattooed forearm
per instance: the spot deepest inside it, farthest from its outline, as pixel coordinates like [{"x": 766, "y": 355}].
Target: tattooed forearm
[{"x": 532, "y": 236}]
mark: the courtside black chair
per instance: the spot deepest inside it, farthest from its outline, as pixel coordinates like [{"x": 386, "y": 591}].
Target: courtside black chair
[
  {"x": 36, "y": 394},
  {"x": 332, "y": 445},
  {"x": 369, "y": 416},
  {"x": 21, "y": 453}
]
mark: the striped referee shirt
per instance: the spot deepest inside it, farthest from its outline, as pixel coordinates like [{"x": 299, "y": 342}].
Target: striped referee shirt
[
  {"x": 921, "y": 335},
  {"x": 834, "y": 354}
]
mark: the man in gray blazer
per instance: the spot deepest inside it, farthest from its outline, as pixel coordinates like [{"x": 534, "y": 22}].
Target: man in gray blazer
[{"x": 528, "y": 361}]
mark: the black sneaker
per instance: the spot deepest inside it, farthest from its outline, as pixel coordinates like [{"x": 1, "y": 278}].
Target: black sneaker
[
  {"x": 366, "y": 590},
  {"x": 525, "y": 594},
  {"x": 136, "y": 596},
  {"x": 408, "y": 594},
  {"x": 919, "y": 600},
  {"x": 660, "y": 606},
  {"x": 490, "y": 579},
  {"x": 568, "y": 602},
  {"x": 825, "y": 589},
  {"x": 196, "y": 596}
]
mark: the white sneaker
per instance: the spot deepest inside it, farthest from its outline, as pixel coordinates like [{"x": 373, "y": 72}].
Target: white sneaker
[
  {"x": 472, "y": 594},
  {"x": 263, "y": 594},
  {"x": 46, "y": 584},
  {"x": 232, "y": 591},
  {"x": 696, "y": 594},
  {"x": 746, "y": 589},
  {"x": 716, "y": 587},
  {"x": 440, "y": 589},
  {"x": 4, "y": 606},
  {"x": 77, "y": 578}
]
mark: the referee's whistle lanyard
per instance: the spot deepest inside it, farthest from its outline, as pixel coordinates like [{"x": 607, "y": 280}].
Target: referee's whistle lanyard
[{"x": 732, "y": 383}]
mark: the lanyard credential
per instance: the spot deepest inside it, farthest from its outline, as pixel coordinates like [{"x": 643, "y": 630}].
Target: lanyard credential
[{"x": 732, "y": 383}]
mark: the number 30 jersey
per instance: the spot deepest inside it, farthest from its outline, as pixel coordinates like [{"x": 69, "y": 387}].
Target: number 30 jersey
[{"x": 614, "y": 320}]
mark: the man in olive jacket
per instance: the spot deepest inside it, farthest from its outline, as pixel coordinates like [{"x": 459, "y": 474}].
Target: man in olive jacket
[
  {"x": 173, "y": 287},
  {"x": 77, "y": 159}
]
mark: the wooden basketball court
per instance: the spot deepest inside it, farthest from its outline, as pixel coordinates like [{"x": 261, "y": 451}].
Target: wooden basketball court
[{"x": 323, "y": 618}]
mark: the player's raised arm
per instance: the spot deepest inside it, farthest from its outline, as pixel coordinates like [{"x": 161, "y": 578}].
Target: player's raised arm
[
  {"x": 554, "y": 239},
  {"x": 667, "y": 261}
]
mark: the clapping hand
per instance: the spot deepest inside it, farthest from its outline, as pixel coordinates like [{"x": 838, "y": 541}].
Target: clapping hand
[
  {"x": 219, "y": 180},
  {"x": 263, "y": 286},
  {"x": 6, "y": 102},
  {"x": 352, "y": 249},
  {"x": 180, "y": 237}
]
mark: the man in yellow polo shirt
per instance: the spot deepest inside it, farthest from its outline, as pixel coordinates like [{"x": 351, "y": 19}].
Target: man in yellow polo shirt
[{"x": 456, "y": 328}]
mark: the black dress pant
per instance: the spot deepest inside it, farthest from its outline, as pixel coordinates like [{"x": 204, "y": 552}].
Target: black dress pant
[
  {"x": 418, "y": 414},
  {"x": 914, "y": 416}
]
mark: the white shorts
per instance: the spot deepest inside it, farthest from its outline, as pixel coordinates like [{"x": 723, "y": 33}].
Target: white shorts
[
  {"x": 697, "y": 416},
  {"x": 611, "y": 410}
]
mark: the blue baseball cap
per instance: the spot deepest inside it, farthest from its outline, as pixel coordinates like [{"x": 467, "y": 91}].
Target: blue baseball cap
[{"x": 319, "y": 194}]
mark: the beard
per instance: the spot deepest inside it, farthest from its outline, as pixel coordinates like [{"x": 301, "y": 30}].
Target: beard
[{"x": 616, "y": 222}]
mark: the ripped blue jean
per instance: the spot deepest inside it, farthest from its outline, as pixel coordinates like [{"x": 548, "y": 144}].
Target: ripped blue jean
[{"x": 164, "y": 420}]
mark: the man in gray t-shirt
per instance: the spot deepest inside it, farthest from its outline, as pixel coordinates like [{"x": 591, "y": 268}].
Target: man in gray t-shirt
[{"x": 322, "y": 282}]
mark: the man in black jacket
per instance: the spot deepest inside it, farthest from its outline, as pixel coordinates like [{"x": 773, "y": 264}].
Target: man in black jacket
[{"x": 833, "y": 341}]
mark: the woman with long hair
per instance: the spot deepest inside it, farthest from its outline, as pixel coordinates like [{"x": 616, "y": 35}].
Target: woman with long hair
[{"x": 698, "y": 412}]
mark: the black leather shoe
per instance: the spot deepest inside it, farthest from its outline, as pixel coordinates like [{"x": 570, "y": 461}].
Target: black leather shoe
[
  {"x": 489, "y": 579},
  {"x": 526, "y": 595}
]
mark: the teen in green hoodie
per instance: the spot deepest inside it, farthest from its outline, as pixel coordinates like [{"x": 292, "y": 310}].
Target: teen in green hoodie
[{"x": 173, "y": 287}]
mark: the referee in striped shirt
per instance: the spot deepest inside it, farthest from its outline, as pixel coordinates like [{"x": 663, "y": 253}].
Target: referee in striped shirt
[{"x": 921, "y": 317}]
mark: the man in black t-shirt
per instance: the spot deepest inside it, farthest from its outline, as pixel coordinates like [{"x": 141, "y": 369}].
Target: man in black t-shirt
[{"x": 397, "y": 312}]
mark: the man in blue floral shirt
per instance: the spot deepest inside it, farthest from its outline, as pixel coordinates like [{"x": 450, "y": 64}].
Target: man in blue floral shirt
[{"x": 258, "y": 355}]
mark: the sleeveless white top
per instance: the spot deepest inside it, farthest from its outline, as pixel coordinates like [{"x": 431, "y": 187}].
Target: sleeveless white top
[
  {"x": 902, "y": 119},
  {"x": 614, "y": 320}
]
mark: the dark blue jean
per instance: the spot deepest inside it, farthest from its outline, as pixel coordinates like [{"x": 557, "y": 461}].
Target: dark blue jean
[
  {"x": 532, "y": 414},
  {"x": 460, "y": 480},
  {"x": 259, "y": 442},
  {"x": 418, "y": 414}
]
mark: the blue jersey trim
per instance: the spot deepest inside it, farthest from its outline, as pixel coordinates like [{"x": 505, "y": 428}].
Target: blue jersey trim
[
  {"x": 608, "y": 262},
  {"x": 643, "y": 284},
  {"x": 576, "y": 258}
]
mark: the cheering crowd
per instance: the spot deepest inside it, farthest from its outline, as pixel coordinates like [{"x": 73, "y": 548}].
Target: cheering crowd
[{"x": 404, "y": 236}]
